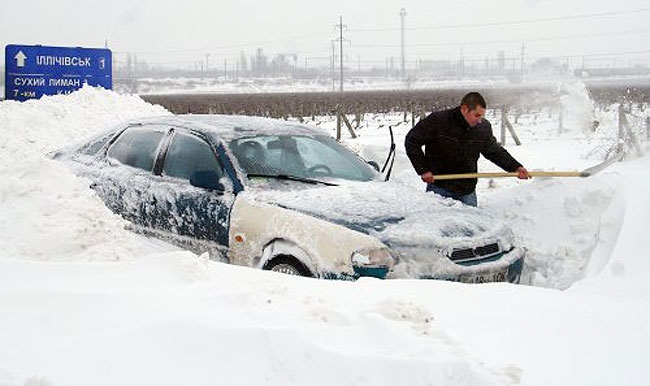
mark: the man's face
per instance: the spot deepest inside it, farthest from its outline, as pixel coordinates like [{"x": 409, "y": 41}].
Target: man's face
[{"x": 473, "y": 117}]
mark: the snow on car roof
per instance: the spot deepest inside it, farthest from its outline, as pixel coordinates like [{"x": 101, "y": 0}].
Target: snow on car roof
[{"x": 233, "y": 126}]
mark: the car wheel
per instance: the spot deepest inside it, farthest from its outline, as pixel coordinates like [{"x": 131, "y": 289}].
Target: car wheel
[{"x": 288, "y": 265}]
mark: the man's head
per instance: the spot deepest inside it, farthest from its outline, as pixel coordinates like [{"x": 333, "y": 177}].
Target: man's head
[{"x": 473, "y": 106}]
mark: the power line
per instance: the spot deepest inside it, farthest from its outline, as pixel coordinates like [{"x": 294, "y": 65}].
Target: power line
[
  {"x": 482, "y": 58},
  {"x": 566, "y": 37},
  {"x": 503, "y": 23}
]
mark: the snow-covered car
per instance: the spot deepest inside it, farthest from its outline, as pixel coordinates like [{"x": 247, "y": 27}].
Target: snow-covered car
[{"x": 286, "y": 197}]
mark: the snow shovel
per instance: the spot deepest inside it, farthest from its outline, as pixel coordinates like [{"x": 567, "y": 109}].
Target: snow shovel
[{"x": 585, "y": 173}]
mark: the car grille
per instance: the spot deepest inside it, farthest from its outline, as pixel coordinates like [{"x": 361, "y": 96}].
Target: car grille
[{"x": 472, "y": 253}]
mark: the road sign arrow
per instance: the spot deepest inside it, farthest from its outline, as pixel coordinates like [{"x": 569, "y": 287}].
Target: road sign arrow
[{"x": 20, "y": 59}]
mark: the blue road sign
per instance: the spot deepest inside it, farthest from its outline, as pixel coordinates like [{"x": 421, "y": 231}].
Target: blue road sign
[{"x": 34, "y": 71}]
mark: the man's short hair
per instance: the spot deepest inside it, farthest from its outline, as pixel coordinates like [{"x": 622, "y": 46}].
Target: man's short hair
[{"x": 473, "y": 99}]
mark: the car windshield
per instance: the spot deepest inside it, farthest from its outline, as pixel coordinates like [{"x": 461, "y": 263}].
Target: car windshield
[{"x": 306, "y": 157}]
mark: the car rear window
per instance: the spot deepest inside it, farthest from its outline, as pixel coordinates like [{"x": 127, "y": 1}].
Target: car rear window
[{"x": 137, "y": 147}]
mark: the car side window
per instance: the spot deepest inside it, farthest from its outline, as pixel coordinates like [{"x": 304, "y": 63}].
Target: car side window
[
  {"x": 189, "y": 154},
  {"x": 93, "y": 147},
  {"x": 137, "y": 147}
]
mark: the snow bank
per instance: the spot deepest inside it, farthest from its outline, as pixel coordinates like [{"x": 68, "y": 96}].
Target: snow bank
[
  {"x": 170, "y": 320},
  {"x": 560, "y": 223},
  {"x": 36, "y": 127},
  {"x": 619, "y": 263},
  {"x": 48, "y": 213}
]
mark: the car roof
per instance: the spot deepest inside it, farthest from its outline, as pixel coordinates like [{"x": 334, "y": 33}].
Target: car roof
[{"x": 232, "y": 126}]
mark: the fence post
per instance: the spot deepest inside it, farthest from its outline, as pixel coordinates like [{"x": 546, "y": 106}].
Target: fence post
[
  {"x": 348, "y": 125},
  {"x": 503, "y": 126},
  {"x": 621, "y": 129},
  {"x": 512, "y": 130},
  {"x": 359, "y": 117},
  {"x": 338, "y": 123},
  {"x": 340, "y": 117},
  {"x": 632, "y": 136}
]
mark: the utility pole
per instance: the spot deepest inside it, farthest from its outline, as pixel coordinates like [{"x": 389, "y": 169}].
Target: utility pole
[
  {"x": 522, "y": 61},
  {"x": 207, "y": 67},
  {"x": 462, "y": 63},
  {"x": 332, "y": 66},
  {"x": 402, "y": 14},
  {"x": 340, "y": 27}
]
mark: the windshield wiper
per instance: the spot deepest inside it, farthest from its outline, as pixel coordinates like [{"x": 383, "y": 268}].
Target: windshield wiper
[{"x": 290, "y": 178}]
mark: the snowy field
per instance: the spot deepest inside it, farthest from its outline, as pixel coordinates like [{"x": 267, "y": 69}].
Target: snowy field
[
  {"x": 252, "y": 85},
  {"x": 85, "y": 302}
]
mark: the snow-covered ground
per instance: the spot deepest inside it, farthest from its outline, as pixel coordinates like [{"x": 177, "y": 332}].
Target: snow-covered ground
[
  {"x": 84, "y": 301},
  {"x": 252, "y": 85},
  {"x": 207, "y": 85}
]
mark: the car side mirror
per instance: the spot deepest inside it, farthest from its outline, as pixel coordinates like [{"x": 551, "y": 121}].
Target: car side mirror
[
  {"x": 206, "y": 179},
  {"x": 374, "y": 165}
]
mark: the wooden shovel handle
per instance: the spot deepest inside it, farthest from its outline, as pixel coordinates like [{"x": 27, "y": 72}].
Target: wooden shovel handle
[{"x": 505, "y": 174}]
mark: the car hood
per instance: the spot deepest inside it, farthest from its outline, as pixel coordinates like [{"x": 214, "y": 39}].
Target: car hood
[{"x": 402, "y": 217}]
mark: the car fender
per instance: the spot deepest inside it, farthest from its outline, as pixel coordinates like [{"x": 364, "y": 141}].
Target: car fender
[{"x": 326, "y": 247}]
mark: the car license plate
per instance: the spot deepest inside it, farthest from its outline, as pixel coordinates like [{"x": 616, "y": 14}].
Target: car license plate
[{"x": 487, "y": 277}]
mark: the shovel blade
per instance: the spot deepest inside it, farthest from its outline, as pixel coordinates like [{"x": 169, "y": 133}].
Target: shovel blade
[{"x": 597, "y": 168}]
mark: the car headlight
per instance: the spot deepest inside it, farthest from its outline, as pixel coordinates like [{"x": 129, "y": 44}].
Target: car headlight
[
  {"x": 373, "y": 258},
  {"x": 507, "y": 241},
  {"x": 373, "y": 262}
]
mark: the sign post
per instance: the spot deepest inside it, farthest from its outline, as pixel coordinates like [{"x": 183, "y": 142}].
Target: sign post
[{"x": 34, "y": 71}]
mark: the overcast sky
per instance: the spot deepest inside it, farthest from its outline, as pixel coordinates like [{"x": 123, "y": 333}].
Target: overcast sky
[{"x": 179, "y": 33}]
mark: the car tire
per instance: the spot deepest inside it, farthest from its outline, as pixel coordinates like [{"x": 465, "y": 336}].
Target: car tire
[{"x": 288, "y": 265}]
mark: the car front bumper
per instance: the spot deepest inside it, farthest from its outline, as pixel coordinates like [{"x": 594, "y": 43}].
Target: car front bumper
[
  {"x": 503, "y": 267},
  {"x": 506, "y": 267}
]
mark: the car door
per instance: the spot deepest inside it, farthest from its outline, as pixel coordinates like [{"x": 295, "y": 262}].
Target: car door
[
  {"x": 126, "y": 176},
  {"x": 196, "y": 217}
]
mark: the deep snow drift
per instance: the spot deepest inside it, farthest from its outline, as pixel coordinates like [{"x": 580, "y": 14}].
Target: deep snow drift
[{"x": 83, "y": 301}]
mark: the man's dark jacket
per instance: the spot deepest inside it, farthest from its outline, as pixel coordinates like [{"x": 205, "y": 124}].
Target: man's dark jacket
[{"x": 451, "y": 146}]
